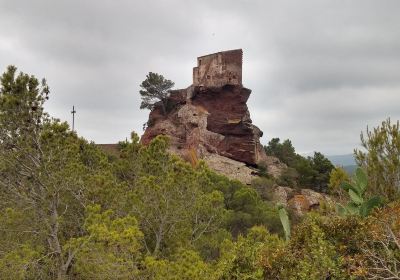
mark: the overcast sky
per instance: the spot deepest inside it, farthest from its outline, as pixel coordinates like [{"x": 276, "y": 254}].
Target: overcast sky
[{"x": 320, "y": 71}]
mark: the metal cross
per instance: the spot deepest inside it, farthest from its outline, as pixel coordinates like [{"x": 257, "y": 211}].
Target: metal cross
[{"x": 73, "y": 117}]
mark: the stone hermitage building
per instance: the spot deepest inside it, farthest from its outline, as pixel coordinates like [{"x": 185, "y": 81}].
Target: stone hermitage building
[{"x": 219, "y": 69}]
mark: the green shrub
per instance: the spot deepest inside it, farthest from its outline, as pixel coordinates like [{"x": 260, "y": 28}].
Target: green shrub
[
  {"x": 308, "y": 255},
  {"x": 264, "y": 187}
]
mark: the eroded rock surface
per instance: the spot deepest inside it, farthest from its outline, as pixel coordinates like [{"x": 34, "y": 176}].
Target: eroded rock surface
[
  {"x": 209, "y": 120},
  {"x": 212, "y": 121},
  {"x": 300, "y": 201}
]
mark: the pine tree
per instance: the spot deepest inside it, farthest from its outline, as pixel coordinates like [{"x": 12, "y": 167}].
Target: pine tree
[
  {"x": 381, "y": 159},
  {"x": 155, "y": 90}
]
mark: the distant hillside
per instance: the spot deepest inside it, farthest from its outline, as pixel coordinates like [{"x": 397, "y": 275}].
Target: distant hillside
[
  {"x": 346, "y": 161},
  {"x": 342, "y": 160},
  {"x": 350, "y": 169}
]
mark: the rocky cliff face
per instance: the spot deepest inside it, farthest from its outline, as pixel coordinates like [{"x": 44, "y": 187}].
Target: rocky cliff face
[{"x": 212, "y": 123}]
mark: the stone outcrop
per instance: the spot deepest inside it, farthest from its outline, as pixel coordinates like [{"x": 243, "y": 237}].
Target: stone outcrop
[
  {"x": 210, "y": 120},
  {"x": 300, "y": 201},
  {"x": 231, "y": 168}
]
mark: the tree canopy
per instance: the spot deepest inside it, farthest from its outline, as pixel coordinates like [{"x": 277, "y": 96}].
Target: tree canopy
[
  {"x": 380, "y": 156},
  {"x": 155, "y": 89},
  {"x": 310, "y": 172}
]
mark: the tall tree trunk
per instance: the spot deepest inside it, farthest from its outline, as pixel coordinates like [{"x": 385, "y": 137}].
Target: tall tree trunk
[
  {"x": 55, "y": 242},
  {"x": 159, "y": 237},
  {"x": 164, "y": 108}
]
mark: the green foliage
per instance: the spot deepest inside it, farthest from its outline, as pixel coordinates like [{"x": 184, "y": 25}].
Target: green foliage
[
  {"x": 318, "y": 257},
  {"x": 168, "y": 200},
  {"x": 308, "y": 255},
  {"x": 333, "y": 247},
  {"x": 356, "y": 190},
  {"x": 284, "y": 151},
  {"x": 245, "y": 206},
  {"x": 311, "y": 172},
  {"x": 21, "y": 106},
  {"x": 185, "y": 265},
  {"x": 209, "y": 245},
  {"x": 45, "y": 172},
  {"x": 155, "y": 89},
  {"x": 263, "y": 170},
  {"x": 338, "y": 176},
  {"x": 110, "y": 247},
  {"x": 17, "y": 264},
  {"x": 380, "y": 158},
  {"x": 241, "y": 259},
  {"x": 248, "y": 209},
  {"x": 126, "y": 167},
  {"x": 381, "y": 246},
  {"x": 264, "y": 187},
  {"x": 181, "y": 206},
  {"x": 18, "y": 260},
  {"x": 39, "y": 165},
  {"x": 305, "y": 173},
  {"x": 289, "y": 177},
  {"x": 323, "y": 168}
]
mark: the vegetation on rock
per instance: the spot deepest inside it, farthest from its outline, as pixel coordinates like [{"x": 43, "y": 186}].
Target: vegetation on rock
[{"x": 155, "y": 89}]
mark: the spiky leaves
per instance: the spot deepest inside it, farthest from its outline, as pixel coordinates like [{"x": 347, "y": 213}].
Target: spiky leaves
[
  {"x": 358, "y": 205},
  {"x": 284, "y": 217}
]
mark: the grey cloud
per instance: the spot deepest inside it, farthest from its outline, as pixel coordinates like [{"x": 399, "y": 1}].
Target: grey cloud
[
  {"x": 320, "y": 70},
  {"x": 335, "y": 117}
]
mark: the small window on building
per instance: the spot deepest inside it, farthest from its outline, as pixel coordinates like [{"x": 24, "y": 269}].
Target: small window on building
[
  {"x": 234, "y": 76},
  {"x": 208, "y": 77},
  {"x": 199, "y": 62}
]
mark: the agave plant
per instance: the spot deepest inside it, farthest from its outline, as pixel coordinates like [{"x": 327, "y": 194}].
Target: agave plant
[
  {"x": 358, "y": 205},
  {"x": 284, "y": 217}
]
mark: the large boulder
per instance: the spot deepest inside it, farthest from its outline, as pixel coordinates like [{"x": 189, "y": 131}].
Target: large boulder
[
  {"x": 300, "y": 201},
  {"x": 209, "y": 120}
]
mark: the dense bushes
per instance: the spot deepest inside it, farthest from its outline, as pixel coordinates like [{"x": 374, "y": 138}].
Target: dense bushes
[
  {"x": 311, "y": 172},
  {"x": 381, "y": 159}
]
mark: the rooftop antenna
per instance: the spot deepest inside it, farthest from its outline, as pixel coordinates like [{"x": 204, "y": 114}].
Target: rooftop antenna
[{"x": 73, "y": 112}]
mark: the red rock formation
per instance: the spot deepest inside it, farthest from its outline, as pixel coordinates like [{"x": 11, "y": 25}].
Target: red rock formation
[{"x": 211, "y": 120}]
